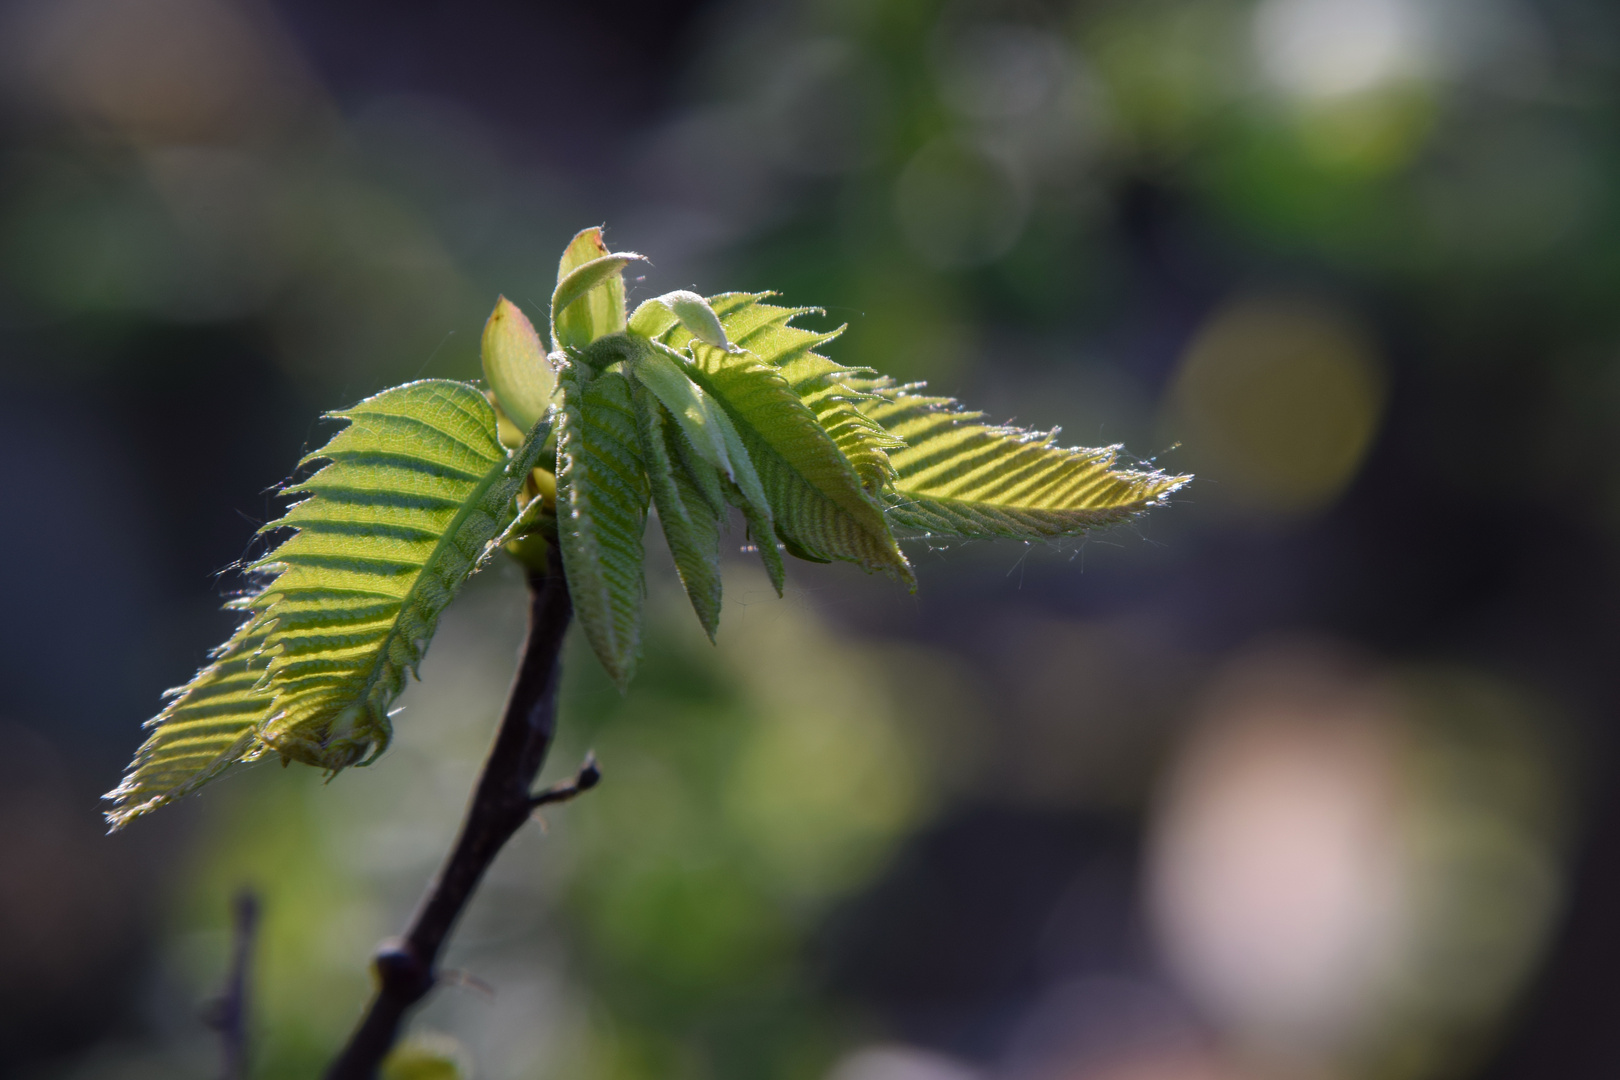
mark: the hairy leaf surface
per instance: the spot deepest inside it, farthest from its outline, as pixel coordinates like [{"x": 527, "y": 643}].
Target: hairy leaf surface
[
  {"x": 762, "y": 532},
  {"x": 691, "y": 525},
  {"x": 826, "y": 388},
  {"x": 958, "y": 476},
  {"x": 414, "y": 488},
  {"x": 600, "y": 310},
  {"x": 602, "y": 496},
  {"x": 697, "y": 479},
  {"x": 515, "y": 367},
  {"x": 208, "y": 725},
  {"x": 702, "y": 421},
  {"x": 692, "y": 405},
  {"x": 598, "y": 274},
  {"x": 691, "y": 310},
  {"x": 816, "y": 497},
  {"x": 668, "y": 374}
]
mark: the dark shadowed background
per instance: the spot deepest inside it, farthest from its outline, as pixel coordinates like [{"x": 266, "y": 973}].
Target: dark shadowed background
[{"x": 1308, "y": 775}]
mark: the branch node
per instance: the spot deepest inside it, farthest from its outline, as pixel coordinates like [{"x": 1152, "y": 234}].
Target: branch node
[
  {"x": 586, "y": 777},
  {"x": 401, "y": 970}
]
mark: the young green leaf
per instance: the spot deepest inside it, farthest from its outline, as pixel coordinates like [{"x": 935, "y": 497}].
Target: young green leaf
[
  {"x": 742, "y": 475},
  {"x": 708, "y": 482},
  {"x": 816, "y": 498},
  {"x": 762, "y": 532},
  {"x": 693, "y": 404},
  {"x": 765, "y": 331},
  {"x": 708, "y": 430},
  {"x": 958, "y": 476},
  {"x": 700, "y": 419},
  {"x": 586, "y": 277},
  {"x": 691, "y": 526},
  {"x": 698, "y": 479},
  {"x": 515, "y": 366},
  {"x": 416, "y": 487},
  {"x": 995, "y": 481},
  {"x": 600, "y": 310},
  {"x": 709, "y": 433},
  {"x": 602, "y": 495}
]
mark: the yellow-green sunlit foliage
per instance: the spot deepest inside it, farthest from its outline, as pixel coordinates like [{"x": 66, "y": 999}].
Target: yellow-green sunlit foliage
[{"x": 687, "y": 406}]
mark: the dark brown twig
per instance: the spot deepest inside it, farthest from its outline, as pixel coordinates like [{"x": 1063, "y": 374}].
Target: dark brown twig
[
  {"x": 228, "y": 1013},
  {"x": 407, "y": 967}
]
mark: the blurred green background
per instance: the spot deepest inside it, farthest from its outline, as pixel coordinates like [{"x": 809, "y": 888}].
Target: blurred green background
[{"x": 1308, "y": 775}]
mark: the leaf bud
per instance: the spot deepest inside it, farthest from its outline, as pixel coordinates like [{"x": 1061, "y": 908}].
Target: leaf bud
[
  {"x": 693, "y": 312},
  {"x": 589, "y": 300},
  {"x": 515, "y": 365}
]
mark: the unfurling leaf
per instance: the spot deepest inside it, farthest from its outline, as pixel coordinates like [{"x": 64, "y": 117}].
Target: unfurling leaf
[
  {"x": 586, "y": 277},
  {"x": 762, "y": 532},
  {"x": 515, "y": 366},
  {"x": 691, "y": 524},
  {"x": 415, "y": 487},
  {"x": 690, "y": 310},
  {"x": 958, "y": 476},
  {"x": 723, "y": 471},
  {"x": 708, "y": 430},
  {"x": 700, "y": 419},
  {"x": 940, "y": 470},
  {"x": 816, "y": 497},
  {"x": 826, "y": 388},
  {"x": 602, "y": 496},
  {"x": 599, "y": 309}
]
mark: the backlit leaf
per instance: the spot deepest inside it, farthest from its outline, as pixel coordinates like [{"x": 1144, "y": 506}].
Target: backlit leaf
[
  {"x": 414, "y": 488},
  {"x": 766, "y": 331},
  {"x": 210, "y": 724},
  {"x": 589, "y": 277},
  {"x": 691, "y": 525},
  {"x": 958, "y": 476},
  {"x": 691, "y": 310},
  {"x": 816, "y": 497},
  {"x": 600, "y": 311},
  {"x": 701, "y": 420},
  {"x": 602, "y": 496}
]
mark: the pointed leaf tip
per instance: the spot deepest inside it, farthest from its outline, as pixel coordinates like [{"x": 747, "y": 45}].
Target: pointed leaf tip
[
  {"x": 959, "y": 476},
  {"x": 588, "y": 276},
  {"x": 596, "y": 307}
]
